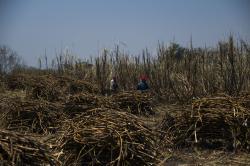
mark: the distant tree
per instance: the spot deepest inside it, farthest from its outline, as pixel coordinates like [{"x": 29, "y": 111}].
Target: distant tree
[
  {"x": 177, "y": 50},
  {"x": 9, "y": 60}
]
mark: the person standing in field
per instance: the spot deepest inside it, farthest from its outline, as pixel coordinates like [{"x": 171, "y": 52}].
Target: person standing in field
[
  {"x": 142, "y": 85},
  {"x": 113, "y": 85}
]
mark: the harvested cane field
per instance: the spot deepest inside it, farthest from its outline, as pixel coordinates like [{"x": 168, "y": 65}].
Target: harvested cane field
[{"x": 196, "y": 112}]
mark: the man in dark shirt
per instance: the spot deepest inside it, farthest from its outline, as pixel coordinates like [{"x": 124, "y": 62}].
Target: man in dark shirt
[{"x": 142, "y": 85}]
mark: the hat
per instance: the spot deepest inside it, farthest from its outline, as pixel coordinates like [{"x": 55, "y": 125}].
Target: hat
[{"x": 143, "y": 78}]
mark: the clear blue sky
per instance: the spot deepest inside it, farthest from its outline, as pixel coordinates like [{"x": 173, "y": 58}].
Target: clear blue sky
[{"x": 86, "y": 26}]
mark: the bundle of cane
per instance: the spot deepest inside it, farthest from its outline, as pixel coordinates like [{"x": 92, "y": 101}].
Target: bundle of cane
[
  {"x": 103, "y": 136},
  {"x": 20, "y": 149},
  {"x": 134, "y": 101}
]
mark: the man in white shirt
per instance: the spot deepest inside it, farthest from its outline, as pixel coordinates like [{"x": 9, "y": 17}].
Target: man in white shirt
[{"x": 113, "y": 85}]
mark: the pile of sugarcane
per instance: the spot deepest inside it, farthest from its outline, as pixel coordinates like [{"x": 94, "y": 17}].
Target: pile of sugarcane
[
  {"x": 80, "y": 126},
  {"x": 216, "y": 122},
  {"x": 78, "y": 86},
  {"x": 103, "y": 136},
  {"x": 75, "y": 86},
  {"x": 19, "y": 81},
  {"x": 19, "y": 149},
  {"x": 221, "y": 120},
  {"x": 81, "y": 102},
  {"x": 176, "y": 129},
  {"x": 99, "y": 136},
  {"x": 34, "y": 116},
  {"x": 46, "y": 87},
  {"x": 136, "y": 102},
  {"x": 58, "y": 88},
  {"x": 244, "y": 99}
]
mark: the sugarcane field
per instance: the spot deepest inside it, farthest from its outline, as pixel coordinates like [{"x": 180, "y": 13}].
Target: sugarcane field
[
  {"x": 194, "y": 110},
  {"x": 125, "y": 83}
]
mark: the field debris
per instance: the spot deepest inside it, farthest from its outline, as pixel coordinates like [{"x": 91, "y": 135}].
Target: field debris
[
  {"x": 33, "y": 116},
  {"x": 103, "y": 136},
  {"x": 215, "y": 122},
  {"x": 49, "y": 87},
  {"x": 82, "y": 126},
  {"x": 59, "y": 120},
  {"x": 139, "y": 103},
  {"x": 20, "y": 149},
  {"x": 82, "y": 102}
]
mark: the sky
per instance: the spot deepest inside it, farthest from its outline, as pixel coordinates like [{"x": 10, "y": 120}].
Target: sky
[{"x": 87, "y": 26}]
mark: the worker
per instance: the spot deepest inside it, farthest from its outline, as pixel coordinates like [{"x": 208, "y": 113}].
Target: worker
[
  {"x": 113, "y": 84},
  {"x": 142, "y": 85}
]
